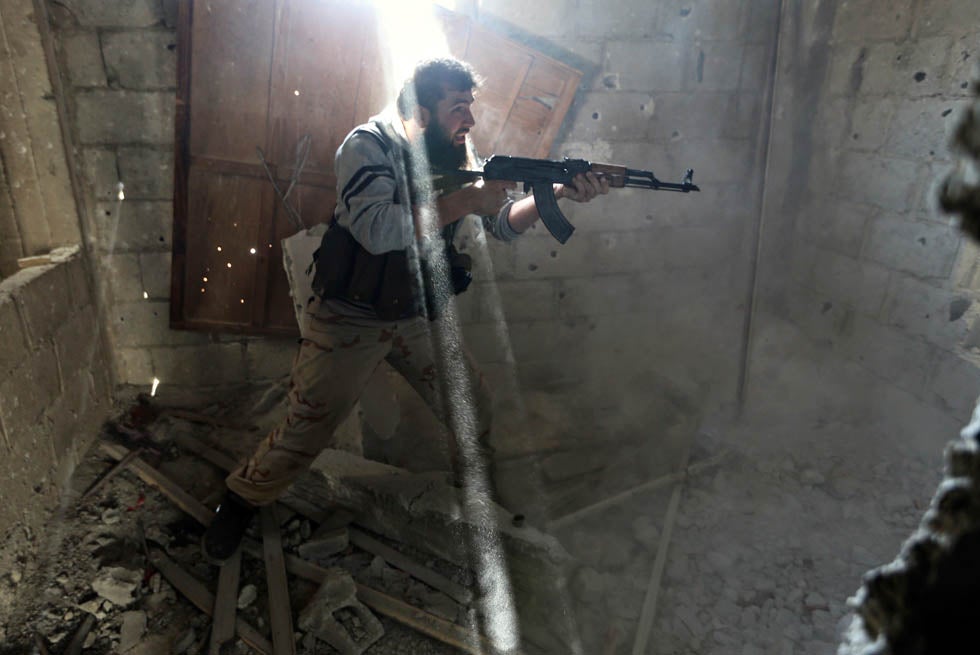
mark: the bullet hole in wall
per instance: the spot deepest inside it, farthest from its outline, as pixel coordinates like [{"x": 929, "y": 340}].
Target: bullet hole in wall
[
  {"x": 958, "y": 307},
  {"x": 595, "y": 115},
  {"x": 947, "y": 112},
  {"x": 921, "y": 240},
  {"x": 827, "y": 306},
  {"x": 919, "y": 76},
  {"x": 554, "y": 253},
  {"x": 532, "y": 267},
  {"x": 685, "y": 12}
]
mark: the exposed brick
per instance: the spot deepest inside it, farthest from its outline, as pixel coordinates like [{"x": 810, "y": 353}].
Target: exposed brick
[
  {"x": 141, "y": 60},
  {"x": 101, "y": 173},
  {"x": 123, "y": 273},
  {"x": 75, "y": 417},
  {"x": 134, "y": 366},
  {"x": 155, "y": 273},
  {"x": 78, "y": 345},
  {"x": 147, "y": 323}
]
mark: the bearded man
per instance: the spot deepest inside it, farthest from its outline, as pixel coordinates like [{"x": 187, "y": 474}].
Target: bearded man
[{"x": 384, "y": 273}]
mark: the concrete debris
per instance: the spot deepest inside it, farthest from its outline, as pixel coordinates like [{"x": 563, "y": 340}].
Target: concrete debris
[
  {"x": 188, "y": 639},
  {"x": 322, "y": 545},
  {"x": 117, "y": 585},
  {"x": 132, "y": 630},
  {"x": 334, "y": 615},
  {"x": 247, "y": 596}
]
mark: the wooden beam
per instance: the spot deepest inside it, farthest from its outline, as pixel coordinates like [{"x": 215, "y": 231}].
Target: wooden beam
[
  {"x": 225, "y": 604},
  {"x": 455, "y": 591},
  {"x": 168, "y": 487},
  {"x": 280, "y": 615},
  {"x": 216, "y": 421},
  {"x": 110, "y": 474},
  {"x": 196, "y": 592}
]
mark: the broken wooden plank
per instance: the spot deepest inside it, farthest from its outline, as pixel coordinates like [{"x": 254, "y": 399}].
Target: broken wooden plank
[
  {"x": 36, "y": 260},
  {"x": 110, "y": 474},
  {"x": 168, "y": 487},
  {"x": 196, "y": 592},
  {"x": 653, "y": 588},
  {"x": 401, "y": 561},
  {"x": 225, "y": 603},
  {"x": 216, "y": 421},
  {"x": 657, "y": 483},
  {"x": 222, "y": 460},
  {"x": 280, "y": 616},
  {"x": 78, "y": 640},
  {"x": 408, "y": 615}
]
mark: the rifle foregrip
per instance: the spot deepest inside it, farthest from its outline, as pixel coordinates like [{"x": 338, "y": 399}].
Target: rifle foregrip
[
  {"x": 615, "y": 174},
  {"x": 551, "y": 216}
]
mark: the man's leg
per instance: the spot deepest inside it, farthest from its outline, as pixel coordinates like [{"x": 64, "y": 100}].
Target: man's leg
[
  {"x": 448, "y": 386},
  {"x": 333, "y": 365}
]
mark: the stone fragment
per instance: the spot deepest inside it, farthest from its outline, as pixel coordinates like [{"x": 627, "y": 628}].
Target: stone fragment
[
  {"x": 247, "y": 596},
  {"x": 320, "y": 616},
  {"x": 117, "y": 584},
  {"x": 133, "y": 627},
  {"x": 325, "y": 544}
]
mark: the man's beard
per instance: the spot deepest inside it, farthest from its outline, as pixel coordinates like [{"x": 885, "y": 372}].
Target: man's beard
[{"x": 443, "y": 154}]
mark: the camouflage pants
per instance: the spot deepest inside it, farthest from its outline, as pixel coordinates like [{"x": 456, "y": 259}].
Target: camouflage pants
[{"x": 335, "y": 360}]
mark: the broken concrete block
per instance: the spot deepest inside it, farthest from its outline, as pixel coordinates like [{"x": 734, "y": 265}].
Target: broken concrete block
[
  {"x": 117, "y": 584},
  {"x": 321, "y": 616},
  {"x": 247, "y": 596},
  {"x": 133, "y": 627},
  {"x": 325, "y": 544}
]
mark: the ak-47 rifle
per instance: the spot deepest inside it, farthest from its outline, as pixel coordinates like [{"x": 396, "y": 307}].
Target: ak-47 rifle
[{"x": 539, "y": 174}]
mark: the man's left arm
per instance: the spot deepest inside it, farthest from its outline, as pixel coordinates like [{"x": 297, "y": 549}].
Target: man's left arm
[{"x": 583, "y": 188}]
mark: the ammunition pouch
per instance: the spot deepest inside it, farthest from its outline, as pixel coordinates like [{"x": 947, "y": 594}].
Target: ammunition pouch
[{"x": 345, "y": 270}]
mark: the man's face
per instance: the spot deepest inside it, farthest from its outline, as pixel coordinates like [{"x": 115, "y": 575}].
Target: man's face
[{"x": 445, "y": 135}]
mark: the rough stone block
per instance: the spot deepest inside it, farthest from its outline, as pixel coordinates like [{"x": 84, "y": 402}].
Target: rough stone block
[
  {"x": 323, "y": 545},
  {"x": 78, "y": 344},
  {"x": 126, "y": 117},
  {"x": 79, "y": 283},
  {"x": 706, "y": 19},
  {"x": 147, "y": 323},
  {"x": 646, "y": 65},
  {"x": 148, "y": 173},
  {"x": 592, "y": 18},
  {"x": 955, "y": 383},
  {"x": 12, "y": 335},
  {"x": 141, "y": 60},
  {"x": 134, "y": 225},
  {"x": 155, "y": 273},
  {"x": 116, "y": 13},
  {"x": 923, "y": 249},
  {"x": 27, "y": 391},
  {"x": 940, "y": 316},
  {"x": 83, "y": 59},
  {"x": 922, "y": 128},
  {"x": 338, "y": 592},
  {"x": 26, "y": 474},
  {"x": 891, "y": 354},
  {"x": 947, "y": 17},
  {"x": 122, "y": 270},
  {"x": 44, "y": 300},
  {"x": 916, "y": 68},
  {"x": 858, "y": 20},
  {"x": 134, "y": 366},
  {"x": 73, "y": 420},
  {"x": 101, "y": 173},
  {"x": 886, "y": 182},
  {"x": 715, "y": 66}
]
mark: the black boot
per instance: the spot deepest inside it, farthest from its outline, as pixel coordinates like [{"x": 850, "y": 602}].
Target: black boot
[{"x": 223, "y": 537}]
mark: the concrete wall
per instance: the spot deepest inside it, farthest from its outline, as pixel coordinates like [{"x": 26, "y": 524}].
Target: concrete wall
[
  {"x": 54, "y": 382},
  {"x": 859, "y": 269}
]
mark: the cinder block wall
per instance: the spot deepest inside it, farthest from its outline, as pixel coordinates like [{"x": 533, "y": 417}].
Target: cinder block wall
[
  {"x": 868, "y": 297},
  {"x": 650, "y": 281},
  {"x": 54, "y": 384}
]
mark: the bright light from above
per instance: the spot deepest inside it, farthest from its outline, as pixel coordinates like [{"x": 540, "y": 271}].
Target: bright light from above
[
  {"x": 252, "y": 250},
  {"x": 156, "y": 383},
  {"x": 411, "y": 33},
  {"x": 121, "y": 195},
  {"x": 296, "y": 92},
  {"x": 145, "y": 295}
]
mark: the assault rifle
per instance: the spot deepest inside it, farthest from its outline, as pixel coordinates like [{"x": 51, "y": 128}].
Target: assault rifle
[{"x": 539, "y": 174}]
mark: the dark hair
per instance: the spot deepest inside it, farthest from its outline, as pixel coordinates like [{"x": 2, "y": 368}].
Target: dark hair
[{"x": 427, "y": 81}]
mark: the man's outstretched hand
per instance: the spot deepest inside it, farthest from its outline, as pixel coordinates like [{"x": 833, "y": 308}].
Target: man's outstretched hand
[{"x": 584, "y": 187}]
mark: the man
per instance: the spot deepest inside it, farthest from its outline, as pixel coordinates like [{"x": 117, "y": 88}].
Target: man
[{"x": 385, "y": 266}]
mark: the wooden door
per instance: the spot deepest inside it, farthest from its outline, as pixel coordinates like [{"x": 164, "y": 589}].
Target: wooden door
[{"x": 256, "y": 75}]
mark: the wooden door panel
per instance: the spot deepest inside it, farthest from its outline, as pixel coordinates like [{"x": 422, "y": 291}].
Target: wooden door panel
[
  {"x": 229, "y": 85},
  {"x": 224, "y": 246},
  {"x": 319, "y": 50}
]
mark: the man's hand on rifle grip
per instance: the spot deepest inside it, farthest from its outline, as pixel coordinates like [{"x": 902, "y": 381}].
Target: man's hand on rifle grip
[{"x": 583, "y": 187}]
